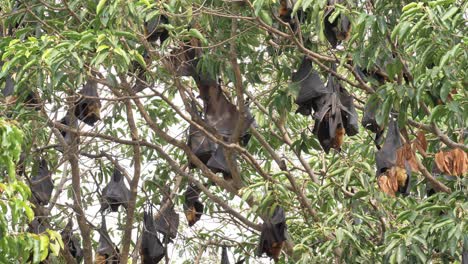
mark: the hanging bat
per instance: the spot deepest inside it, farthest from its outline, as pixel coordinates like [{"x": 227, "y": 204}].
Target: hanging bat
[
  {"x": 106, "y": 252},
  {"x": 393, "y": 172},
  {"x": 42, "y": 184},
  {"x": 154, "y": 31},
  {"x": 72, "y": 242},
  {"x": 335, "y": 116},
  {"x": 115, "y": 193},
  {"x": 193, "y": 207},
  {"x": 66, "y": 120},
  {"x": 337, "y": 30},
  {"x": 273, "y": 235},
  {"x": 369, "y": 122},
  {"x": 168, "y": 222},
  {"x": 224, "y": 256},
  {"x": 285, "y": 12},
  {"x": 36, "y": 226},
  {"x": 151, "y": 250},
  {"x": 30, "y": 97},
  {"x": 311, "y": 87},
  {"x": 201, "y": 145},
  {"x": 88, "y": 109}
]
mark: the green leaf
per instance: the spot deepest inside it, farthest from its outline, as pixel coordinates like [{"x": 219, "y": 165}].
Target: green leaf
[
  {"x": 100, "y": 6},
  {"x": 195, "y": 33}
]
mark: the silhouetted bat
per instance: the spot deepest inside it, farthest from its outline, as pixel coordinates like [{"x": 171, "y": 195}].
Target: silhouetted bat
[
  {"x": 224, "y": 256},
  {"x": 88, "y": 110},
  {"x": 392, "y": 177},
  {"x": 115, "y": 193},
  {"x": 193, "y": 207},
  {"x": 41, "y": 184},
  {"x": 106, "y": 252},
  {"x": 151, "y": 250},
  {"x": 72, "y": 242},
  {"x": 335, "y": 116},
  {"x": 36, "y": 226},
  {"x": 154, "y": 31},
  {"x": 66, "y": 120},
  {"x": 311, "y": 87},
  {"x": 337, "y": 30},
  {"x": 273, "y": 235},
  {"x": 168, "y": 222}
]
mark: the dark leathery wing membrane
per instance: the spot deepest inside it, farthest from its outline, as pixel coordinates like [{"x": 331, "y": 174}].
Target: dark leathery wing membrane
[
  {"x": 106, "y": 249},
  {"x": 88, "y": 109},
  {"x": 72, "y": 242},
  {"x": 350, "y": 116},
  {"x": 153, "y": 28},
  {"x": 200, "y": 144},
  {"x": 41, "y": 184},
  {"x": 337, "y": 30},
  {"x": 311, "y": 86},
  {"x": 115, "y": 193},
  {"x": 273, "y": 234},
  {"x": 193, "y": 207},
  {"x": 151, "y": 249},
  {"x": 224, "y": 256},
  {"x": 66, "y": 120},
  {"x": 168, "y": 221}
]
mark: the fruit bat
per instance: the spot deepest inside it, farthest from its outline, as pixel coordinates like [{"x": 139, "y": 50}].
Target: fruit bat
[
  {"x": 201, "y": 145},
  {"x": 285, "y": 12},
  {"x": 311, "y": 87},
  {"x": 337, "y": 30},
  {"x": 273, "y": 235},
  {"x": 88, "y": 110},
  {"x": 36, "y": 226},
  {"x": 41, "y": 184},
  {"x": 115, "y": 193},
  {"x": 335, "y": 116},
  {"x": 66, "y": 120},
  {"x": 168, "y": 222},
  {"x": 369, "y": 122},
  {"x": 30, "y": 99},
  {"x": 154, "y": 31},
  {"x": 72, "y": 242},
  {"x": 392, "y": 175},
  {"x": 193, "y": 207},
  {"x": 224, "y": 256},
  {"x": 151, "y": 250},
  {"x": 106, "y": 252}
]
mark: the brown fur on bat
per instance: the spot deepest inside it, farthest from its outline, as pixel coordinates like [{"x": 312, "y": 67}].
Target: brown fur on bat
[
  {"x": 273, "y": 235},
  {"x": 193, "y": 207},
  {"x": 88, "y": 109},
  {"x": 339, "y": 29}
]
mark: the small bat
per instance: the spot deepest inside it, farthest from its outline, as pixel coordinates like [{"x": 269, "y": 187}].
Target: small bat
[
  {"x": 115, "y": 193},
  {"x": 106, "y": 252},
  {"x": 311, "y": 87},
  {"x": 335, "y": 116},
  {"x": 154, "y": 31},
  {"x": 87, "y": 109},
  {"x": 42, "y": 184},
  {"x": 72, "y": 242},
  {"x": 168, "y": 221},
  {"x": 193, "y": 208},
  {"x": 201, "y": 145},
  {"x": 392, "y": 175},
  {"x": 337, "y": 30},
  {"x": 152, "y": 251},
  {"x": 224, "y": 256},
  {"x": 273, "y": 235}
]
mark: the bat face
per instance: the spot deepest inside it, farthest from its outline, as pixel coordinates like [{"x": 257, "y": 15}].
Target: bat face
[
  {"x": 193, "y": 207},
  {"x": 88, "y": 110},
  {"x": 151, "y": 250},
  {"x": 42, "y": 185},
  {"x": 115, "y": 193},
  {"x": 273, "y": 235}
]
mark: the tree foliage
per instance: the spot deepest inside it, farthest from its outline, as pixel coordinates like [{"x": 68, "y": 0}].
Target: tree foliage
[{"x": 406, "y": 59}]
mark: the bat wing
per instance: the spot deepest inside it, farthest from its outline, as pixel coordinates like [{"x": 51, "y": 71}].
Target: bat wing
[
  {"x": 273, "y": 234},
  {"x": 349, "y": 114},
  {"x": 9, "y": 86},
  {"x": 224, "y": 256},
  {"x": 217, "y": 162},
  {"x": 386, "y": 156},
  {"x": 168, "y": 222},
  {"x": 42, "y": 184},
  {"x": 152, "y": 249},
  {"x": 105, "y": 246},
  {"x": 115, "y": 193},
  {"x": 200, "y": 144},
  {"x": 154, "y": 31},
  {"x": 193, "y": 207},
  {"x": 88, "y": 110}
]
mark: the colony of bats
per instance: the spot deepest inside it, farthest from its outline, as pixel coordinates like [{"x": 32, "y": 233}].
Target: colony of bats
[{"x": 329, "y": 104}]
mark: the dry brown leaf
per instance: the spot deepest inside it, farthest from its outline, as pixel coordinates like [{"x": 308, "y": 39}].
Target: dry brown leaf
[
  {"x": 406, "y": 153},
  {"x": 453, "y": 162},
  {"x": 420, "y": 143}
]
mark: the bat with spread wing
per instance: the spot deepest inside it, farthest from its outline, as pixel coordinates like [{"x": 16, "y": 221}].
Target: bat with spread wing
[
  {"x": 311, "y": 87},
  {"x": 273, "y": 235},
  {"x": 72, "y": 242},
  {"x": 42, "y": 184},
  {"x": 335, "y": 116},
  {"x": 106, "y": 252},
  {"x": 337, "y": 30},
  {"x": 115, "y": 193},
  {"x": 193, "y": 207},
  {"x": 152, "y": 250},
  {"x": 393, "y": 171},
  {"x": 168, "y": 221},
  {"x": 88, "y": 107}
]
